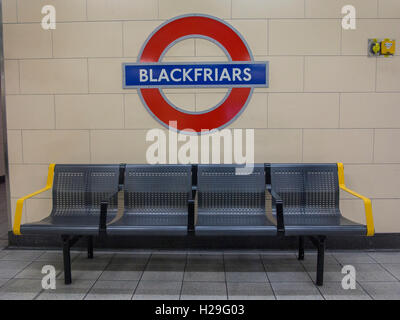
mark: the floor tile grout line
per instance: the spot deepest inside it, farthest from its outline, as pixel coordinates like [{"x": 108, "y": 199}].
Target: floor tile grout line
[
  {"x": 365, "y": 290},
  {"x": 183, "y": 277},
  {"x": 226, "y": 278},
  {"x": 141, "y": 276},
  {"x": 95, "y": 281},
  {"x": 269, "y": 281},
  {"x": 387, "y": 270}
]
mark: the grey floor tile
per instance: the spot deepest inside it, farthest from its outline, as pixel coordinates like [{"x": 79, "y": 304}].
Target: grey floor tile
[
  {"x": 311, "y": 258},
  {"x": 3, "y": 253},
  {"x": 382, "y": 290},
  {"x": 158, "y": 290},
  {"x": 386, "y": 257},
  {"x": 279, "y": 258},
  {"x": 130, "y": 258},
  {"x": 75, "y": 291},
  {"x": 20, "y": 289},
  {"x": 296, "y": 291},
  {"x": 205, "y": 259},
  {"x": 335, "y": 291},
  {"x": 353, "y": 258},
  {"x": 3, "y": 244},
  {"x": 372, "y": 272},
  {"x": 23, "y": 255},
  {"x": 98, "y": 258},
  {"x": 393, "y": 268},
  {"x": 332, "y": 272},
  {"x": 34, "y": 270},
  {"x": 204, "y": 290},
  {"x": 84, "y": 271},
  {"x": 287, "y": 273},
  {"x": 174, "y": 259},
  {"x": 56, "y": 256},
  {"x": 232, "y": 258},
  {"x": 112, "y": 290},
  {"x": 164, "y": 272},
  {"x": 3, "y": 282},
  {"x": 250, "y": 291},
  {"x": 8, "y": 269},
  {"x": 245, "y": 273},
  {"x": 118, "y": 272},
  {"x": 204, "y": 273}
]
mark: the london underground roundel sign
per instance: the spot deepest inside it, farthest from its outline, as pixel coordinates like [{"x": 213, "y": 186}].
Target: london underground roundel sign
[{"x": 240, "y": 74}]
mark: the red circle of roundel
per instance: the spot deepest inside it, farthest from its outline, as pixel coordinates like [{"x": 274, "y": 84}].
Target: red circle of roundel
[{"x": 196, "y": 26}]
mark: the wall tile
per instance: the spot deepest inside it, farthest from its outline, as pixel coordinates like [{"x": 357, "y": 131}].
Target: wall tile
[
  {"x": 304, "y": 37},
  {"x": 11, "y": 74},
  {"x": 172, "y": 8},
  {"x": 267, "y": 9},
  {"x": 88, "y": 39},
  {"x": 333, "y": 9},
  {"x": 14, "y": 138},
  {"x": 121, "y": 9},
  {"x": 339, "y": 74},
  {"x": 333, "y": 145},
  {"x": 136, "y": 115},
  {"x": 30, "y": 112},
  {"x": 135, "y": 35},
  {"x": 375, "y": 181},
  {"x": 255, "y": 115},
  {"x": 370, "y": 110},
  {"x": 112, "y": 83},
  {"x": 56, "y": 146},
  {"x": 303, "y": 110},
  {"x": 25, "y": 179},
  {"x": 388, "y": 77},
  {"x": 389, "y": 9},
  {"x": 71, "y": 10},
  {"x": 119, "y": 146},
  {"x": 26, "y": 41},
  {"x": 9, "y": 10},
  {"x": 90, "y": 111},
  {"x": 59, "y": 76},
  {"x": 386, "y": 146},
  {"x": 268, "y": 145}
]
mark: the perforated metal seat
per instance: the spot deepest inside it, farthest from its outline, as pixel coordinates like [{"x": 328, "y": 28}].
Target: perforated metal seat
[
  {"x": 310, "y": 194},
  {"x": 156, "y": 201},
  {"x": 78, "y": 191},
  {"x": 232, "y": 204}
]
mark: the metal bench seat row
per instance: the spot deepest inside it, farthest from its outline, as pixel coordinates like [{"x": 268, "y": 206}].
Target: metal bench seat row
[{"x": 202, "y": 200}]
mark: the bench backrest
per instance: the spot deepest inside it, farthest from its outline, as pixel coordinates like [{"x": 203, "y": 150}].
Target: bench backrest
[
  {"x": 80, "y": 189},
  {"x": 158, "y": 189},
  {"x": 307, "y": 188},
  {"x": 220, "y": 189}
]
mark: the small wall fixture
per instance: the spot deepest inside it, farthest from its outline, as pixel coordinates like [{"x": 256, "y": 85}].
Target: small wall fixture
[{"x": 381, "y": 47}]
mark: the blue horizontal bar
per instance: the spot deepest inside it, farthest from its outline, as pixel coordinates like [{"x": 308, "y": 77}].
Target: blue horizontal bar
[{"x": 156, "y": 75}]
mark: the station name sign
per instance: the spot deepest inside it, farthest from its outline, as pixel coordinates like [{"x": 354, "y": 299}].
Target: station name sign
[{"x": 156, "y": 75}]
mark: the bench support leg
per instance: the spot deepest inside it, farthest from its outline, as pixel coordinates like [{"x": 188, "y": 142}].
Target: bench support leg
[
  {"x": 301, "y": 248},
  {"x": 90, "y": 247},
  {"x": 68, "y": 242},
  {"x": 67, "y": 260},
  {"x": 319, "y": 243}
]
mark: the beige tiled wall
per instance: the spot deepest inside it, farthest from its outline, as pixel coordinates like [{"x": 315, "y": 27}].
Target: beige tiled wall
[{"x": 327, "y": 101}]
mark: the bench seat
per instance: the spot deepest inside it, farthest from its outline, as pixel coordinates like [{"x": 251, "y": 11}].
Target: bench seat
[
  {"x": 155, "y": 201},
  {"x": 230, "y": 204}
]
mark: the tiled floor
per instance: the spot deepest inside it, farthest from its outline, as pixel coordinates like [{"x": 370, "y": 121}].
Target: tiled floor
[{"x": 239, "y": 275}]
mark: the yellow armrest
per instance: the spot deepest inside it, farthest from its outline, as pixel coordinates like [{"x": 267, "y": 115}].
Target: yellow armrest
[
  {"x": 20, "y": 202},
  {"x": 367, "y": 201}
]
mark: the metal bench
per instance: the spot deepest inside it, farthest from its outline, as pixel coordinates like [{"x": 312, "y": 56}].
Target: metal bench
[
  {"x": 203, "y": 200},
  {"x": 310, "y": 196},
  {"x": 230, "y": 204},
  {"x": 78, "y": 191},
  {"x": 156, "y": 201}
]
